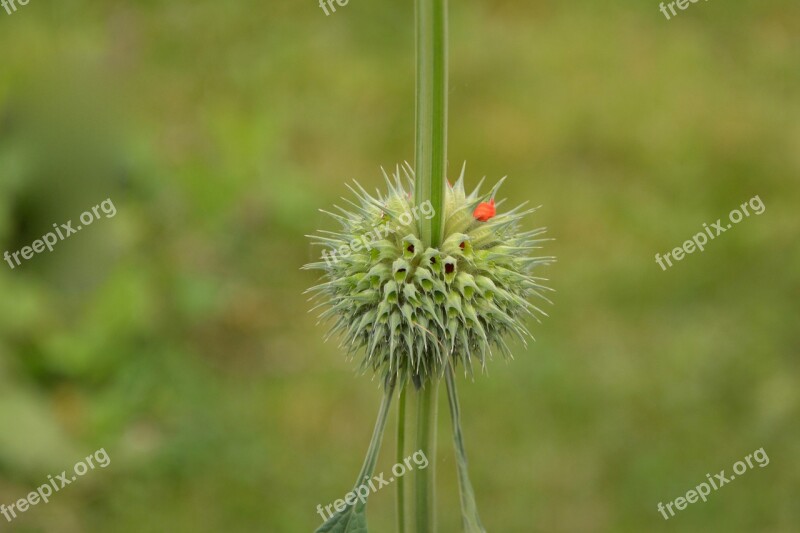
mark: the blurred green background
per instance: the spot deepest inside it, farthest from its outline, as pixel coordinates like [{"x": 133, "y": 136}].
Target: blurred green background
[{"x": 175, "y": 334}]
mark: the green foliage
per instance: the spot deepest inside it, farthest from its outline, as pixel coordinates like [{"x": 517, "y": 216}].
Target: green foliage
[{"x": 176, "y": 337}]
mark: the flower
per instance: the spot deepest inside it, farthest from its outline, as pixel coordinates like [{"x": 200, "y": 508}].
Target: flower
[
  {"x": 484, "y": 211},
  {"x": 410, "y": 308}
]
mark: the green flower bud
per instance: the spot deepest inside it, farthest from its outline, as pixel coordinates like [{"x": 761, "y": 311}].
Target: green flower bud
[{"x": 410, "y": 307}]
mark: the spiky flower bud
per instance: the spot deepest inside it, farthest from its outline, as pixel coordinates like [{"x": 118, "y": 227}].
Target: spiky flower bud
[{"x": 411, "y": 307}]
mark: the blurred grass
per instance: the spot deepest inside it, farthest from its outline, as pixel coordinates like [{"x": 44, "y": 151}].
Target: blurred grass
[{"x": 175, "y": 335}]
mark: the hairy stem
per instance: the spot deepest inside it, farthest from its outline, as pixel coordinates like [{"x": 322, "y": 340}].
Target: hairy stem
[
  {"x": 426, "y": 443},
  {"x": 430, "y": 156}
]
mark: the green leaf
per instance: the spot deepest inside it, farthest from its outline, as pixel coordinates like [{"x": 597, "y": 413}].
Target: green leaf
[
  {"x": 469, "y": 509},
  {"x": 353, "y": 519}
]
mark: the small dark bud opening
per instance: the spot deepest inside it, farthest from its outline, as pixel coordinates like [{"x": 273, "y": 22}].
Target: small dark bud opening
[
  {"x": 410, "y": 248},
  {"x": 449, "y": 268}
]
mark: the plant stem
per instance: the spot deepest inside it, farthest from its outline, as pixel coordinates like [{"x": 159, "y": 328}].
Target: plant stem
[
  {"x": 431, "y": 114},
  {"x": 401, "y": 441},
  {"x": 426, "y": 443},
  {"x": 430, "y": 160},
  {"x": 352, "y": 517},
  {"x": 470, "y": 520},
  {"x": 377, "y": 435}
]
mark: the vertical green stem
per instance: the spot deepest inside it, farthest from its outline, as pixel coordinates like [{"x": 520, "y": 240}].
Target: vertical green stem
[
  {"x": 431, "y": 114},
  {"x": 401, "y": 441},
  {"x": 430, "y": 161},
  {"x": 425, "y": 519}
]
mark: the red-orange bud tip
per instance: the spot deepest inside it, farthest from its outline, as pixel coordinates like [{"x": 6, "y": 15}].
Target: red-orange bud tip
[{"x": 485, "y": 211}]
